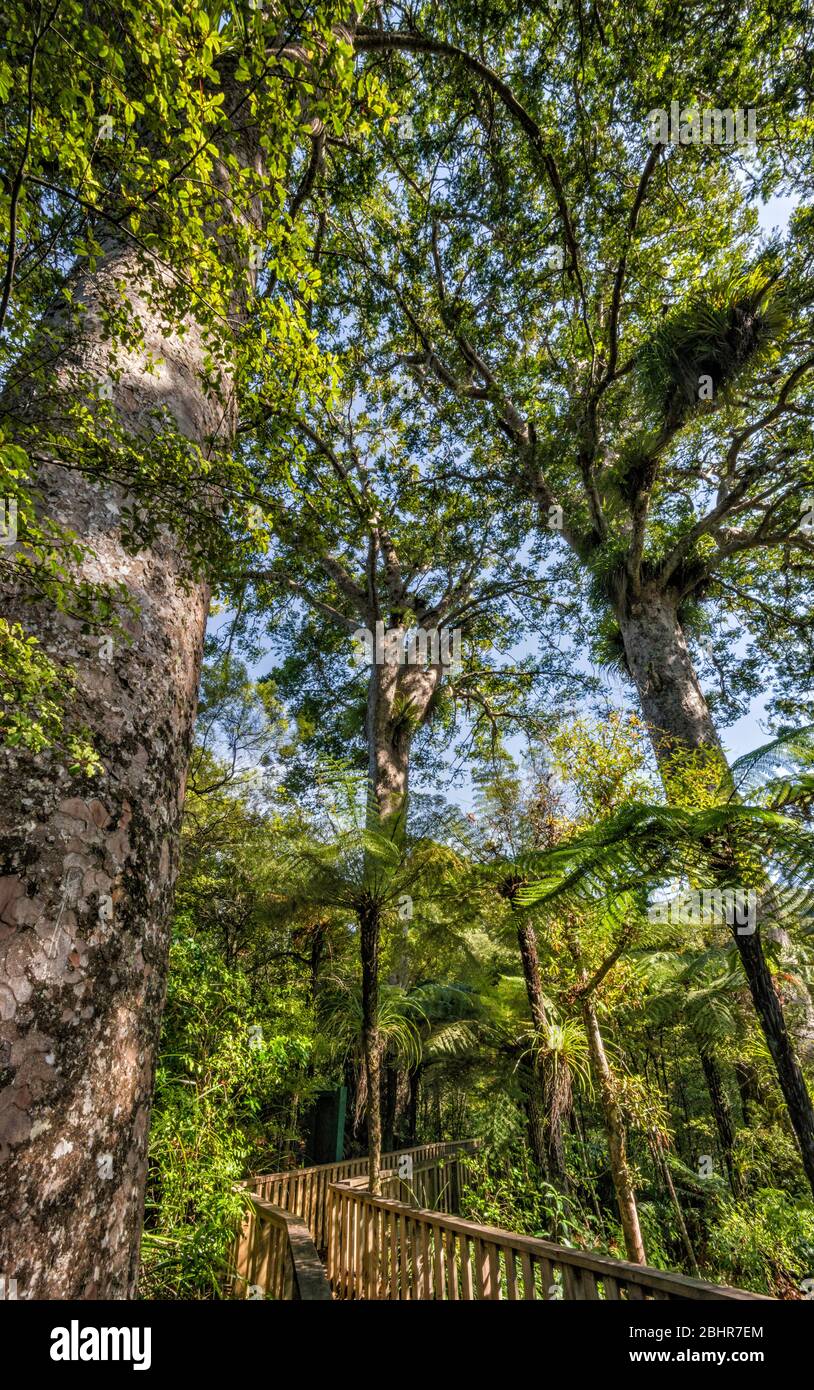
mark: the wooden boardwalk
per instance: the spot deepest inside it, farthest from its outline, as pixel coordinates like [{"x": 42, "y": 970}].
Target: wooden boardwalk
[{"x": 319, "y": 1233}]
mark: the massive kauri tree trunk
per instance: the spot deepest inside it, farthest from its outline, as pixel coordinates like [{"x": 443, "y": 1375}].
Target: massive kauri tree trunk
[
  {"x": 398, "y": 701},
  {"x": 399, "y": 698},
  {"x": 660, "y": 663},
  {"x": 88, "y": 864},
  {"x": 677, "y": 715}
]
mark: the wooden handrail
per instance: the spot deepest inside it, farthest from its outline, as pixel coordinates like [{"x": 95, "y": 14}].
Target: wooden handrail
[
  {"x": 305, "y": 1190},
  {"x": 275, "y": 1257},
  {"x": 408, "y": 1243},
  {"x": 381, "y": 1248},
  {"x": 418, "y": 1153}
]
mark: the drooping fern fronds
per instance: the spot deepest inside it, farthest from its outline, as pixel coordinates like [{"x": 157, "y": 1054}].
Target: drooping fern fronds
[{"x": 725, "y": 326}]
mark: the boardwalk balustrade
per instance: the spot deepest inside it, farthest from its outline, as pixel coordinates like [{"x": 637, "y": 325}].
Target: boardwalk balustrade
[{"x": 407, "y": 1242}]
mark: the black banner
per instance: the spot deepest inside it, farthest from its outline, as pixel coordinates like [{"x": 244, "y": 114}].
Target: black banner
[{"x": 84, "y": 1340}]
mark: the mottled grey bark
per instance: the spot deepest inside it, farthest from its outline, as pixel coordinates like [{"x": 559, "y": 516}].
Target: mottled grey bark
[
  {"x": 660, "y": 664},
  {"x": 398, "y": 702},
  {"x": 87, "y": 865},
  {"x": 677, "y": 716}
]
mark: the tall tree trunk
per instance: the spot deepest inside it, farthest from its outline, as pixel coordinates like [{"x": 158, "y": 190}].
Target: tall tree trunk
[
  {"x": 798, "y": 1005},
  {"x": 394, "y": 708},
  {"x": 689, "y": 1249},
  {"x": 781, "y": 1047},
  {"x": 315, "y": 956},
  {"x": 412, "y": 1104},
  {"x": 388, "y": 744},
  {"x": 659, "y": 661},
  {"x": 722, "y": 1116},
  {"x": 401, "y": 1089},
  {"x": 677, "y": 715},
  {"x": 398, "y": 701},
  {"x": 535, "y": 1114},
  {"x": 545, "y": 1118},
  {"x": 388, "y": 757},
  {"x": 390, "y": 1097},
  {"x": 88, "y": 863},
  {"x": 748, "y": 1089},
  {"x": 617, "y": 1137},
  {"x": 351, "y": 1080},
  {"x": 577, "y": 1119},
  {"x": 369, "y": 924}
]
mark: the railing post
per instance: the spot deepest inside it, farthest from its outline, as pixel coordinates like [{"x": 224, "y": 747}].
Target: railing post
[
  {"x": 330, "y": 1244},
  {"x": 289, "y": 1290}
]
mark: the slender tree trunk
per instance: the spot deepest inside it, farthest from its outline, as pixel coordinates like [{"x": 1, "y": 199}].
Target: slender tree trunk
[
  {"x": 369, "y": 923},
  {"x": 677, "y": 716},
  {"x": 88, "y": 863},
  {"x": 388, "y": 1124},
  {"x": 617, "y": 1137},
  {"x": 351, "y": 1081},
  {"x": 315, "y": 955},
  {"x": 722, "y": 1116},
  {"x": 401, "y": 1095},
  {"x": 781, "y": 1047},
  {"x": 545, "y": 1120},
  {"x": 689, "y": 1249},
  {"x": 412, "y": 1105},
  {"x": 578, "y": 1127},
  {"x": 536, "y": 1088},
  {"x": 535, "y": 1113},
  {"x": 748, "y": 1089},
  {"x": 798, "y": 1005}
]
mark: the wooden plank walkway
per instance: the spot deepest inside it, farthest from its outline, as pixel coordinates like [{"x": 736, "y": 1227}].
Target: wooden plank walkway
[{"x": 408, "y": 1243}]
